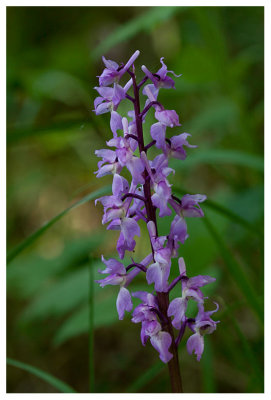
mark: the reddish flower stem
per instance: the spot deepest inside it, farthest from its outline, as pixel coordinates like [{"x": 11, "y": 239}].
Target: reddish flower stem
[{"x": 163, "y": 298}]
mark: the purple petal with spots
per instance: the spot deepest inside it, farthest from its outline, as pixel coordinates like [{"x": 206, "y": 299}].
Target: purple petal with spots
[
  {"x": 113, "y": 266},
  {"x": 177, "y": 308},
  {"x": 123, "y": 245},
  {"x": 161, "y": 342},
  {"x": 115, "y": 122},
  {"x": 158, "y": 273},
  {"x": 195, "y": 344},
  {"x": 158, "y": 133},
  {"x": 124, "y": 302},
  {"x": 167, "y": 117}
]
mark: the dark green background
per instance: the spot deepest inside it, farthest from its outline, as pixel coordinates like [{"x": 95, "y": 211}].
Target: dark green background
[{"x": 53, "y": 58}]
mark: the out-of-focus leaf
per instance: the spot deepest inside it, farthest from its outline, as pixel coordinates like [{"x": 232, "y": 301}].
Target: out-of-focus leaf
[
  {"x": 236, "y": 271},
  {"x": 75, "y": 325},
  {"x": 53, "y": 381},
  {"x": 60, "y": 297},
  {"x": 62, "y": 294},
  {"x": 219, "y": 114},
  {"x": 209, "y": 22},
  {"x": 146, "y": 377},
  {"x": 105, "y": 314},
  {"x": 143, "y": 22},
  {"x": 220, "y": 156},
  {"x": 104, "y": 311},
  {"x": 249, "y": 353},
  {"x": 207, "y": 367},
  {"x": 62, "y": 127},
  {"x": 31, "y": 273},
  {"x": 60, "y": 86},
  {"x": 32, "y": 238}
]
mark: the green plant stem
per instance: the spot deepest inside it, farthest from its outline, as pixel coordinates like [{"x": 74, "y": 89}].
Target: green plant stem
[{"x": 91, "y": 332}]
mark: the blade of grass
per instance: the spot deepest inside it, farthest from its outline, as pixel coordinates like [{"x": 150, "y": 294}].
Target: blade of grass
[
  {"x": 236, "y": 271},
  {"x": 227, "y": 212},
  {"x": 55, "y": 382},
  {"x": 143, "y": 22},
  {"x": 34, "y": 236}
]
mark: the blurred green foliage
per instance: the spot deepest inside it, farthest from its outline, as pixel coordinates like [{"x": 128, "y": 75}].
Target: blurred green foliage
[{"x": 58, "y": 320}]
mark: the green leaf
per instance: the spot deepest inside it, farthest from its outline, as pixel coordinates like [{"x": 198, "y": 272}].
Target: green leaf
[
  {"x": 59, "y": 297},
  {"x": 32, "y": 238},
  {"x": 143, "y": 22},
  {"x": 55, "y": 382},
  {"x": 236, "y": 271},
  {"x": 25, "y": 280},
  {"x": 60, "y": 86},
  {"x": 220, "y": 156},
  {"x": 79, "y": 322}
]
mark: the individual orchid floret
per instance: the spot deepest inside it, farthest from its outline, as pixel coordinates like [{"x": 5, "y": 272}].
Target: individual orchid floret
[
  {"x": 174, "y": 146},
  {"x": 203, "y": 325},
  {"x": 189, "y": 205},
  {"x": 120, "y": 187},
  {"x": 166, "y": 118},
  {"x": 158, "y": 272},
  {"x": 186, "y": 207},
  {"x": 160, "y": 78},
  {"x": 117, "y": 276},
  {"x": 113, "y": 72},
  {"x": 125, "y": 154},
  {"x": 190, "y": 290},
  {"x": 109, "y": 163},
  {"x": 109, "y": 99},
  {"x": 146, "y": 313},
  {"x": 158, "y": 171}
]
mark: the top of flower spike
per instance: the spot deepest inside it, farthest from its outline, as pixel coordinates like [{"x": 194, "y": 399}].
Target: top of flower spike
[{"x": 113, "y": 72}]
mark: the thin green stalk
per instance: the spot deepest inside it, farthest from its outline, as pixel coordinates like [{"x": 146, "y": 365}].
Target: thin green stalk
[{"x": 91, "y": 331}]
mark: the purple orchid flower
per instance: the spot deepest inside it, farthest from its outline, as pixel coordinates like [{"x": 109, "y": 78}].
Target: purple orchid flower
[
  {"x": 113, "y": 72},
  {"x": 147, "y": 196},
  {"x": 187, "y": 207},
  {"x": 203, "y": 325},
  {"x": 174, "y": 146},
  {"x": 151, "y": 328},
  {"x": 190, "y": 290},
  {"x": 160, "y": 78}
]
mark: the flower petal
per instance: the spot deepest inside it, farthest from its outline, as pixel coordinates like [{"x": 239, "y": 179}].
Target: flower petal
[
  {"x": 124, "y": 302},
  {"x": 115, "y": 122},
  {"x": 161, "y": 342},
  {"x": 195, "y": 344},
  {"x": 177, "y": 308}
]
